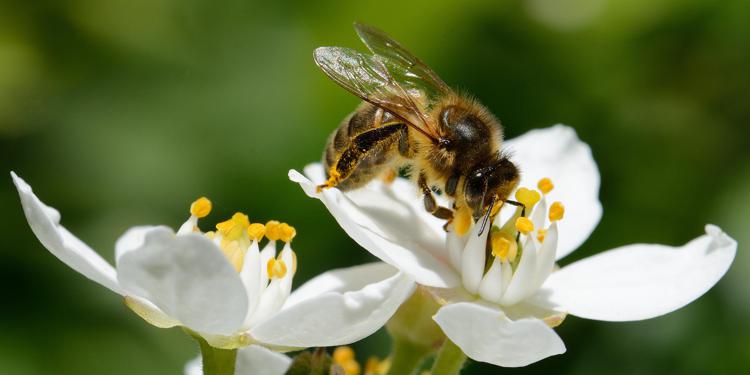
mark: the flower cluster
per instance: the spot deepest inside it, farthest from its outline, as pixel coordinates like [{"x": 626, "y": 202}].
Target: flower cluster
[{"x": 500, "y": 292}]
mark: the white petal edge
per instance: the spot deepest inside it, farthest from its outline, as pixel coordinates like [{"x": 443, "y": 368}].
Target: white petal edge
[
  {"x": 420, "y": 263},
  {"x": 188, "y": 278},
  {"x": 640, "y": 281},
  {"x": 346, "y": 313},
  {"x": 557, "y": 152},
  {"x": 486, "y": 334},
  {"x": 45, "y": 223},
  {"x": 251, "y": 360}
]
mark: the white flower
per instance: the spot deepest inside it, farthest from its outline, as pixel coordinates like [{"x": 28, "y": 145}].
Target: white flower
[
  {"x": 222, "y": 286},
  {"x": 251, "y": 360},
  {"x": 501, "y": 309}
]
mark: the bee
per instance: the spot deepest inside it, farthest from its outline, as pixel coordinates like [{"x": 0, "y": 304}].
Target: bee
[{"x": 411, "y": 118}]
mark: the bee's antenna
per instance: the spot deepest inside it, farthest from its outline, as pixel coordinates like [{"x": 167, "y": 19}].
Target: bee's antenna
[{"x": 487, "y": 215}]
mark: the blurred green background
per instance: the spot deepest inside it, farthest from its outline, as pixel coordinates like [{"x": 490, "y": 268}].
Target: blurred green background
[{"x": 122, "y": 112}]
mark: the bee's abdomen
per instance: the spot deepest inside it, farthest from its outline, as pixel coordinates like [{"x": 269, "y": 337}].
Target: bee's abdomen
[{"x": 361, "y": 120}]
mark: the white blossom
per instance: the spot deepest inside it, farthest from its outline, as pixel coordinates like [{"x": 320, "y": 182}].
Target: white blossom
[{"x": 501, "y": 309}]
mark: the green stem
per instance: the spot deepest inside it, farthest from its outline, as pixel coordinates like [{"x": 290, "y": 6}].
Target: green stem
[
  {"x": 449, "y": 360},
  {"x": 406, "y": 356},
  {"x": 217, "y": 361}
]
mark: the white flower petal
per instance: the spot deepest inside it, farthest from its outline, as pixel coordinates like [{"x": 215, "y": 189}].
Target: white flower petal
[
  {"x": 251, "y": 360},
  {"x": 557, "y": 153},
  {"x": 188, "y": 278},
  {"x": 521, "y": 283},
  {"x": 491, "y": 288},
  {"x": 338, "y": 317},
  {"x": 132, "y": 239},
  {"x": 45, "y": 223},
  {"x": 427, "y": 266},
  {"x": 252, "y": 279},
  {"x": 341, "y": 280},
  {"x": 257, "y": 360},
  {"x": 485, "y": 334},
  {"x": 472, "y": 259},
  {"x": 150, "y": 313},
  {"x": 194, "y": 366},
  {"x": 640, "y": 281},
  {"x": 546, "y": 258}
]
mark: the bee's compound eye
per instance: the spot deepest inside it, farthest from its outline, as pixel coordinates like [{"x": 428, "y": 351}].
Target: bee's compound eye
[{"x": 444, "y": 143}]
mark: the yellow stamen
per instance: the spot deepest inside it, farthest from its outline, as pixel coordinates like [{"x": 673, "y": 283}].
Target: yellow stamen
[
  {"x": 556, "y": 211},
  {"x": 276, "y": 268},
  {"x": 462, "y": 220},
  {"x": 528, "y": 197},
  {"x": 524, "y": 225},
  {"x": 201, "y": 207},
  {"x": 273, "y": 230},
  {"x": 545, "y": 185},
  {"x": 540, "y": 234},
  {"x": 344, "y": 357},
  {"x": 343, "y": 354},
  {"x": 504, "y": 246},
  {"x": 374, "y": 366},
  {"x": 287, "y": 232},
  {"x": 256, "y": 231},
  {"x": 350, "y": 367},
  {"x": 210, "y": 234},
  {"x": 233, "y": 228},
  {"x": 234, "y": 254}
]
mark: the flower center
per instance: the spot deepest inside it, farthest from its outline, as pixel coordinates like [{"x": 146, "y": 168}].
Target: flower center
[
  {"x": 235, "y": 235},
  {"x": 519, "y": 253}
]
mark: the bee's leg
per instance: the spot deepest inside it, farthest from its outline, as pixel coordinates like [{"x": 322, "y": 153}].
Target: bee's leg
[
  {"x": 517, "y": 204},
  {"x": 523, "y": 212},
  {"x": 361, "y": 146},
  {"x": 429, "y": 201}
]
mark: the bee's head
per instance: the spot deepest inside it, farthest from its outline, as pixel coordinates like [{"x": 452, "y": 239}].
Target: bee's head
[{"x": 490, "y": 181}]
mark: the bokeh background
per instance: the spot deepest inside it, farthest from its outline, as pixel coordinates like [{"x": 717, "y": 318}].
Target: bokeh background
[{"x": 122, "y": 112}]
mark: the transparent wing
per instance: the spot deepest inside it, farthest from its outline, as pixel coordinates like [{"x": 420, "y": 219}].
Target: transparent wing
[
  {"x": 406, "y": 68},
  {"x": 367, "y": 77}
]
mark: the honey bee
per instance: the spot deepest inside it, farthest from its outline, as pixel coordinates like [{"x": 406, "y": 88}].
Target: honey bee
[{"x": 411, "y": 118}]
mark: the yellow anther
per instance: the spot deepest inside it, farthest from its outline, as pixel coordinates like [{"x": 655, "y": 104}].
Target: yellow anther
[
  {"x": 201, "y": 207},
  {"x": 556, "y": 211},
  {"x": 256, "y": 231},
  {"x": 545, "y": 185},
  {"x": 343, "y": 354},
  {"x": 462, "y": 220},
  {"x": 273, "y": 230},
  {"x": 276, "y": 268},
  {"x": 233, "y": 228},
  {"x": 350, "y": 367},
  {"x": 287, "y": 232},
  {"x": 528, "y": 197},
  {"x": 504, "y": 246},
  {"x": 234, "y": 254},
  {"x": 540, "y": 234},
  {"x": 210, "y": 234},
  {"x": 524, "y": 225},
  {"x": 374, "y": 366}
]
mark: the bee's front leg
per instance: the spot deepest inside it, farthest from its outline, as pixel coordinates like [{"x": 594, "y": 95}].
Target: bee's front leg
[{"x": 429, "y": 201}]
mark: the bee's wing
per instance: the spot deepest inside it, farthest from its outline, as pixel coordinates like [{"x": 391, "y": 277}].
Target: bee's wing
[
  {"x": 405, "y": 67},
  {"x": 367, "y": 77}
]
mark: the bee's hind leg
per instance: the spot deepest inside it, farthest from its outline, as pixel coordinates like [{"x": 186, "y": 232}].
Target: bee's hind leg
[
  {"x": 362, "y": 145},
  {"x": 430, "y": 204}
]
